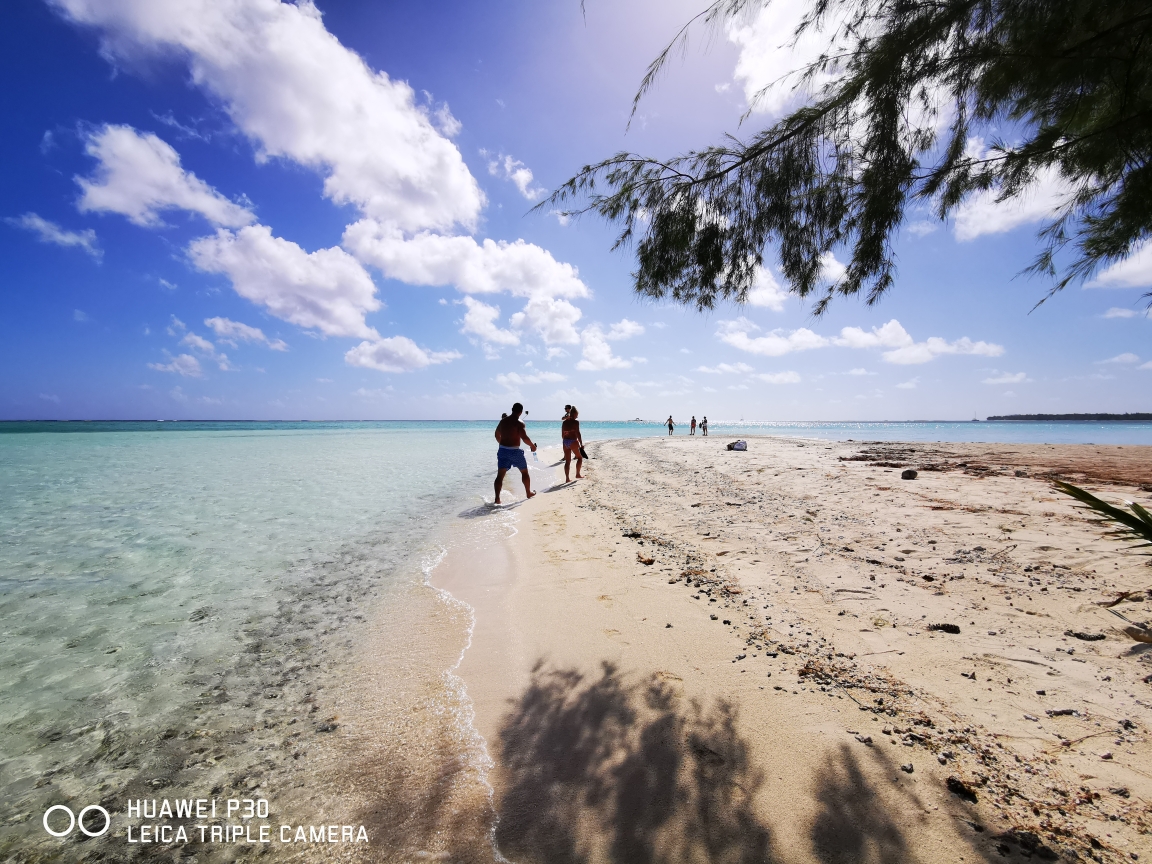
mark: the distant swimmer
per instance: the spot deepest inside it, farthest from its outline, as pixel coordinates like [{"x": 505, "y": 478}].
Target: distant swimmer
[
  {"x": 671, "y": 425},
  {"x": 573, "y": 442},
  {"x": 510, "y": 432}
]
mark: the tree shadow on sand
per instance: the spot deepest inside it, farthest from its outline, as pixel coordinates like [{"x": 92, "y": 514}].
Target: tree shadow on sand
[
  {"x": 606, "y": 770},
  {"x": 613, "y": 771}
]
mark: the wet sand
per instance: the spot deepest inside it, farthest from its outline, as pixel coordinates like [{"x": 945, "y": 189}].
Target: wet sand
[{"x": 767, "y": 688}]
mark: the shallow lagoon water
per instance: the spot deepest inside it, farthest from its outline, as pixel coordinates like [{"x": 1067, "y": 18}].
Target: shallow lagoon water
[{"x": 172, "y": 595}]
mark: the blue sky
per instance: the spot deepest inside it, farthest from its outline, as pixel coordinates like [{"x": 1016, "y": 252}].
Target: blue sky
[{"x": 249, "y": 209}]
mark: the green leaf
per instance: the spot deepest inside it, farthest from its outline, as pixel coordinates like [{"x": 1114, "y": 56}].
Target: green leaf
[{"x": 1131, "y": 526}]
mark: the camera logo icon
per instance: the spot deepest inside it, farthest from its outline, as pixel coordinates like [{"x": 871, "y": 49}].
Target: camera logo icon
[{"x": 75, "y": 821}]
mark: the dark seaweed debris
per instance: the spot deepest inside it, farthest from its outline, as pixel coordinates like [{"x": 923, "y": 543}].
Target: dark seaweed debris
[{"x": 945, "y": 628}]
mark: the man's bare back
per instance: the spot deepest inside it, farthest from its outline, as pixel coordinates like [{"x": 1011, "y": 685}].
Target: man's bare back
[{"x": 510, "y": 432}]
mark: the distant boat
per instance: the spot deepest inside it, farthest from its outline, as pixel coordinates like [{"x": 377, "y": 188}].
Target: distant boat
[{"x": 637, "y": 420}]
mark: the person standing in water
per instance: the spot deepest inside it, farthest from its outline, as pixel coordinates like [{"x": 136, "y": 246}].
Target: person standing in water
[
  {"x": 671, "y": 425},
  {"x": 692, "y": 431},
  {"x": 570, "y": 433},
  {"x": 510, "y": 432},
  {"x": 704, "y": 426}
]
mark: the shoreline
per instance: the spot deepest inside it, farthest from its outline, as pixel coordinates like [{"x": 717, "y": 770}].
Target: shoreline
[{"x": 570, "y": 647}]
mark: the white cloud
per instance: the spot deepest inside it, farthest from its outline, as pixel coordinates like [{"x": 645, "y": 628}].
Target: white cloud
[
  {"x": 766, "y": 291},
  {"x": 624, "y": 329},
  {"x": 327, "y": 290},
  {"x": 860, "y": 371},
  {"x": 890, "y": 335},
  {"x": 908, "y": 385},
  {"x": 230, "y": 332},
  {"x": 50, "y": 232},
  {"x": 1126, "y": 358},
  {"x": 922, "y": 227},
  {"x": 518, "y": 268},
  {"x": 298, "y": 94},
  {"x": 198, "y": 343},
  {"x": 769, "y": 60},
  {"x": 139, "y": 176},
  {"x": 50, "y": 397},
  {"x": 396, "y": 354},
  {"x": 981, "y": 213},
  {"x": 552, "y": 318},
  {"x": 506, "y": 167},
  {"x": 617, "y": 390},
  {"x": 443, "y": 120},
  {"x": 1008, "y": 378},
  {"x": 1135, "y": 271},
  {"x": 374, "y": 393},
  {"x": 183, "y": 364},
  {"x": 597, "y": 353},
  {"x": 726, "y": 369},
  {"x": 202, "y": 345},
  {"x": 480, "y": 319},
  {"x": 1116, "y": 312},
  {"x": 292, "y": 88},
  {"x": 79, "y": 315},
  {"x": 780, "y": 377},
  {"x": 831, "y": 268},
  {"x": 1147, "y": 365},
  {"x": 512, "y": 380},
  {"x": 775, "y": 344},
  {"x": 904, "y": 350}
]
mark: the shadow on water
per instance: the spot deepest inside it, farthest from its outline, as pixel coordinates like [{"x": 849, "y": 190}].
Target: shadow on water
[
  {"x": 606, "y": 770},
  {"x": 487, "y": 509}
]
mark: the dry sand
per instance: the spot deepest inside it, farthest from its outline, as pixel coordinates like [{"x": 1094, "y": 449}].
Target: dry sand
[{"x": 767, "y": 688}]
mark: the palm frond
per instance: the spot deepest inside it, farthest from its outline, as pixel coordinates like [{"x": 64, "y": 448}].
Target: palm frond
[{"x": 1132, "y": 525}]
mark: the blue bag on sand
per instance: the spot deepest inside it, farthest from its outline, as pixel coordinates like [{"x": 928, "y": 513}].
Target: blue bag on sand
[{"x": 738, "y": 445}]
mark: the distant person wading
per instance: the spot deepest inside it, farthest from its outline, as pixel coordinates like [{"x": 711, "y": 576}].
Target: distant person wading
[{"x": 671, "y": 425}]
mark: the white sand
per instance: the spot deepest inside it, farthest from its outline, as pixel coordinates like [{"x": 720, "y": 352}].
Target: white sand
[{"x": 618, "y": 738}]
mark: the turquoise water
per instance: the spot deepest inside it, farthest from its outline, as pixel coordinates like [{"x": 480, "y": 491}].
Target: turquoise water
[
  {"x": 181, "y": 582},
  {"x": 164, "y": 581},
  {"x": 923, "y": 430}
]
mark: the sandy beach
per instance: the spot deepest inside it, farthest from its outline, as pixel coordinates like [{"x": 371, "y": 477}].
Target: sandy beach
[{"x": 703, "y": 655}]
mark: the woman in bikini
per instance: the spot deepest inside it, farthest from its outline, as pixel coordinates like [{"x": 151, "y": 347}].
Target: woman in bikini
[{"x": 570, "y": 432}]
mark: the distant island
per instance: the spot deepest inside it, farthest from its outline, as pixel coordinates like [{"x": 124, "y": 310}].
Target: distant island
[{"x": 1062, "y": 418}]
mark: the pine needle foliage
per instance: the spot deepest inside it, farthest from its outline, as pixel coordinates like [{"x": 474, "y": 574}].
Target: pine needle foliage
[
  {"x": 1134, "y": 526},
  {"x": 912, "y": 82}
]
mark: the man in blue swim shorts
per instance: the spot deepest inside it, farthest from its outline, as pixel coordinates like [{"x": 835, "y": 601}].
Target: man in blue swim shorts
[{"x": 510, "y": 432}]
